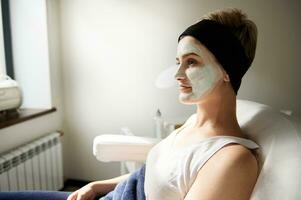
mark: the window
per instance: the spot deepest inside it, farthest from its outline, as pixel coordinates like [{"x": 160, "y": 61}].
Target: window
[
  {"x": 30, "y": 50},
  {"x": 27, "y": 48}
]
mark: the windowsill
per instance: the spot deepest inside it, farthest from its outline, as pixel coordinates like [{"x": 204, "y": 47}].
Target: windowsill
[{"x": 22, "y": 115}]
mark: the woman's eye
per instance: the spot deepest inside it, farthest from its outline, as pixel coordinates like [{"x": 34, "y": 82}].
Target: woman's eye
[{"x": 191, "y": 62}]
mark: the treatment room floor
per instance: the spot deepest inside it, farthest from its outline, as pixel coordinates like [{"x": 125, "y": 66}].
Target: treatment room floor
[{"x": 72, "y": 185}]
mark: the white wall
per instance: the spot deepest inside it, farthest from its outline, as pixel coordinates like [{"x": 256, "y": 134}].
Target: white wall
[{"x": 113, "y": 50}]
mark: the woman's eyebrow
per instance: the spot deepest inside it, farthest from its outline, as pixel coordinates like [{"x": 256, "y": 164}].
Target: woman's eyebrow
[{"x": 188, "y": 54}]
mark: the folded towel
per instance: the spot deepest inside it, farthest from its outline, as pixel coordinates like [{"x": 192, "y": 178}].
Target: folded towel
[{"x": 130, "y": 189}]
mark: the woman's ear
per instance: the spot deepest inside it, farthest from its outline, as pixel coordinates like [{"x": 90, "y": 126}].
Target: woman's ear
[{"x": 226, "y": 78}]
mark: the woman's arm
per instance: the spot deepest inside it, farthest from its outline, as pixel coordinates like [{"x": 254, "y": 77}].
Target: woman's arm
[
  {"x": 91, "y": 190},
  {"x": 229, "y": 175},
  {"x": 105, "y": 186}
]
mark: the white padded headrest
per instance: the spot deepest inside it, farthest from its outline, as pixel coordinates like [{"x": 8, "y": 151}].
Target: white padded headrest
[
  {"x": 108, "y": 148},
  {"x": 279, "y": 138}
]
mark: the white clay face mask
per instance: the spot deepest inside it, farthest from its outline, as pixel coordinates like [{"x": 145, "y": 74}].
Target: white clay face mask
[{"x": 202, "y": 78}]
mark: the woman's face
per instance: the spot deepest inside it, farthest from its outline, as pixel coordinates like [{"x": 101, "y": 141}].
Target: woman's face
[{"x": 198, "y": 71}]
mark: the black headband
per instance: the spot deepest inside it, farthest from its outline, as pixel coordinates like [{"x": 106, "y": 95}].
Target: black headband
[{"x": 224, "y": 45}]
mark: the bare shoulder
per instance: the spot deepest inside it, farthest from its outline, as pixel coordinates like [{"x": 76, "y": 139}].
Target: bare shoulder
[
  {"x": 236, "y": 155},
  {"x": 231, "y": 173}
]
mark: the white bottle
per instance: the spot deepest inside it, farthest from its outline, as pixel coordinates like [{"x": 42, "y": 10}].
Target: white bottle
[{"x": 159, "y": 125}]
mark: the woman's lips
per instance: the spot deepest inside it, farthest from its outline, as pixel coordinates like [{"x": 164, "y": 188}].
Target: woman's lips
[
  {"x": 185, "y": 88},
  {"x": 184, "y": 85}
]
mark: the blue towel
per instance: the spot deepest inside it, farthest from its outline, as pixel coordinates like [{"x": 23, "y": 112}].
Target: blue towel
[{"x": 130, "y": 189}]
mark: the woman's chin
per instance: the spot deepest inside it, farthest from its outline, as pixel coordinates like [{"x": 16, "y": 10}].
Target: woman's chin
[
  {"x": 187, "y": 99},
  {"x": 191, "y": 99}
]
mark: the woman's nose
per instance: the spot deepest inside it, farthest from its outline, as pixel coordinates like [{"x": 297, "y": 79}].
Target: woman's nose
[{"x": 180, "y": 75}]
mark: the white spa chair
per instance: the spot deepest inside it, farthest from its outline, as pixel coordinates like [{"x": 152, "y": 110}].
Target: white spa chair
[{"x": 278, "y": 135}]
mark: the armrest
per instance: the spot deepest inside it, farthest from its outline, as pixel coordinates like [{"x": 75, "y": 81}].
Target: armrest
[{"x": 108, "y": 148}]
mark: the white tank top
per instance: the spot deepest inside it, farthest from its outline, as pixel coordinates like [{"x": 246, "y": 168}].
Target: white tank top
[{"x": 170, "y": 173}]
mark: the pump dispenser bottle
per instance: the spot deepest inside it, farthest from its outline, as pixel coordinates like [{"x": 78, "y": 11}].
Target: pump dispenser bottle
[{"x": 159, "y": 125}]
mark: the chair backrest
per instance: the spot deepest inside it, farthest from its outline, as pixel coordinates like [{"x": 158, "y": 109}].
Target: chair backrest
[{"x": 279, "y": 137}]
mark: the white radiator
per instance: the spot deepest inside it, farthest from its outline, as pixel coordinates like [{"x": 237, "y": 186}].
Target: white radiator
[{"x": 35, "y": 166}]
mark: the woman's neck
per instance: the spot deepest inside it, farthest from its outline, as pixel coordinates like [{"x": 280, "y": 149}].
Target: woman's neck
[{"x": 218, "y": 114}]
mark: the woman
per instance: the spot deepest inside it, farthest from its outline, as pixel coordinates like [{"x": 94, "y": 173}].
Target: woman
[{"x": 209, "y": 157}]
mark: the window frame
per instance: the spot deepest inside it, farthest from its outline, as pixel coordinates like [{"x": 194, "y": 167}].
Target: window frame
[{"x": 8, "y": 55}]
